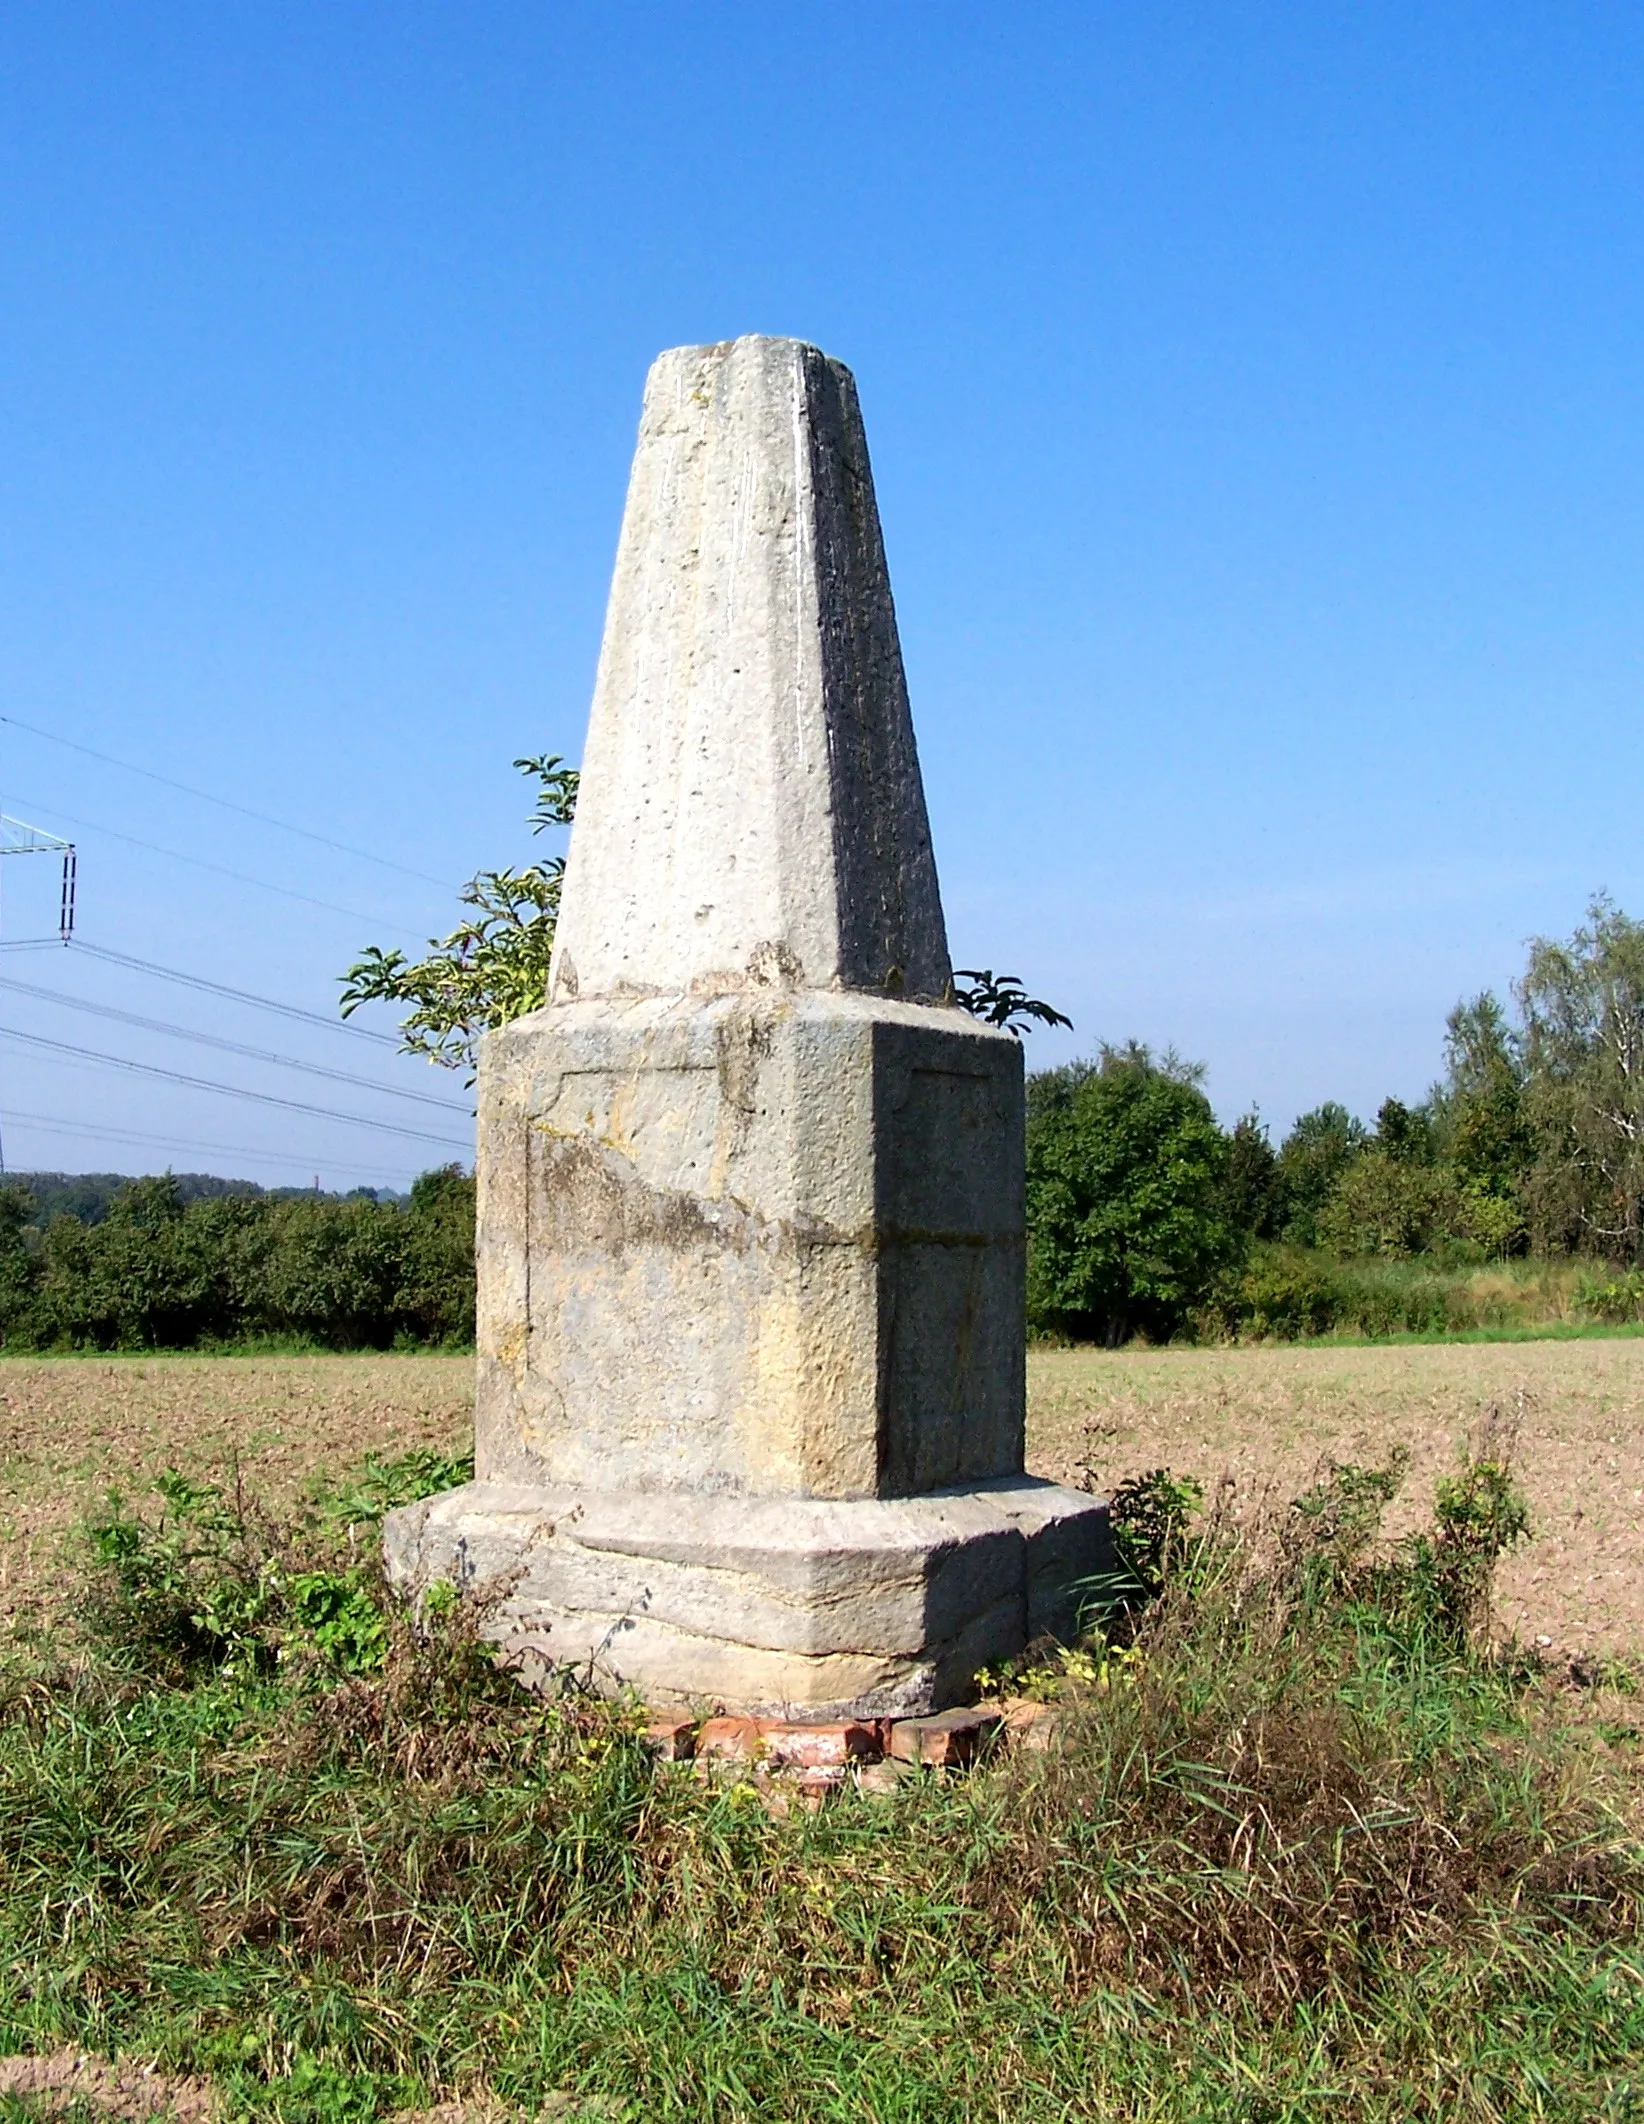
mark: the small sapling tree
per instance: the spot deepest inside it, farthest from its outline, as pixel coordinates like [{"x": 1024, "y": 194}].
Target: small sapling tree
[{"x": 492, "y": 967}]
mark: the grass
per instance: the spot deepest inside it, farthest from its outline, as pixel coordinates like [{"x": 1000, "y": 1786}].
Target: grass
[
  {"x": 1293, "y": 1294},
  {"x": 1545, "y": 1331},
  {"x": 1311, "y": 1843}
]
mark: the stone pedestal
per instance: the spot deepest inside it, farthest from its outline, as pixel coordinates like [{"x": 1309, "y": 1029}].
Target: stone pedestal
[
  {"x": 751, "y": 1367},
  {"x": 767, "y": 1245},
  {"x": 791, "y": 1607}
]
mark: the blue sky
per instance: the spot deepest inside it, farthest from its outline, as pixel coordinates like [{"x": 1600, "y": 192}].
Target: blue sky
[{"x": 1255, "y": 401}]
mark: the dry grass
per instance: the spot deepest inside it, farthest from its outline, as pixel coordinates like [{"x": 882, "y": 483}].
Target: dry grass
[{"x": 1268, "y": 1416}]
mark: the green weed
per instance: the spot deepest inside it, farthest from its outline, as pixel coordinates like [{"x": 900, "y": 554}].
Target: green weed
[
  {"x": 1615, "y": 1299},
  {"x": 210, "y": 1580}
]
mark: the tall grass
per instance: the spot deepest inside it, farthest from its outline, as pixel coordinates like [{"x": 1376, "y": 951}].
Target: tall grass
[
  {"x": 1306, "y": 1846},
  {"x": 1285, "y": 1294}
]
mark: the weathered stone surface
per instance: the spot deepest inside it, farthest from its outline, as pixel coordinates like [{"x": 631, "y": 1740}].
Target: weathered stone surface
[
  {"x": 765, "y": 1246},
  {"x": 751, "y": 811},
  {"x": 751, "y": 1245},
  {"x": 1069, "y": 1550},
  {"x": 795, "y": 1609}
]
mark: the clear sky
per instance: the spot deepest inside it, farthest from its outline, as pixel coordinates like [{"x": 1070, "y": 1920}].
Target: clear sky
[{"x": 1257, "y": 409}]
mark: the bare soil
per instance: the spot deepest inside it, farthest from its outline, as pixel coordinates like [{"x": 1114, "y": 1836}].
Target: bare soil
[
  {"x": 72, "y": 1427},
  {"x": 129, "y": 2092},
  {"x": 120, "y": 2089},
  {"x": 1269, "y": 1418}
]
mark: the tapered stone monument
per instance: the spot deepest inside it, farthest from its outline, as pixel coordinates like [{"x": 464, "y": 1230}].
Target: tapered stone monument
[{"x": 751, "y": 1369}]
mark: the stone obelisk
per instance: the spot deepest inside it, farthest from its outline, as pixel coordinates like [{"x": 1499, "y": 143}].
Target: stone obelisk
[{"x": 751, "y": 1368}]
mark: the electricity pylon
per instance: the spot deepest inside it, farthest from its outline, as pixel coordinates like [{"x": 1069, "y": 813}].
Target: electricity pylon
[{"x": 17, "y": 837}]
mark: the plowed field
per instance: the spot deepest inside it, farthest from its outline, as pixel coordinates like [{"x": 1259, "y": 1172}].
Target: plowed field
[
  {"x": 1269, "y": 1417},
  {"x": 71, "y": 1427}
]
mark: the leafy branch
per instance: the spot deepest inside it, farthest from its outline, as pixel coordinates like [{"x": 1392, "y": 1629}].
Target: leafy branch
[
  {"x": 1000, "y": 999},
  {"x": 494, "y": 966}
]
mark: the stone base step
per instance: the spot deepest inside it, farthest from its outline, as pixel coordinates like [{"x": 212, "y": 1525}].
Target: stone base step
[{"x": 803, "y": 1609}]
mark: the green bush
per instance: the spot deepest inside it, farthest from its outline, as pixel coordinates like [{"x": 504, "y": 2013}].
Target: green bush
[
  {"x": 1126, "y": 1191},
  {"x": 1385, "y": 1205},
  {"x": 1420, "y": 1301},
  {"x": 1280, "y": 1294},
  {"x": 1150, "y": 1515},
  {"x": 1436, "y": 1581},
  {"x": 210, "y": 1583},
  {"x": 1612, "y": 1298},
  {"x": 1286, "y": 1294}
]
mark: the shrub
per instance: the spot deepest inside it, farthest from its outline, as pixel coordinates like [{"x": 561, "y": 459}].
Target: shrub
[
  {"x": 1492, "y": 1217},
  {"x": 1126, "y": 1187},
  {"x": 1149, "y": 1515},
  {"x": 1613, "y": 1298},
  {"x": 435, "y": 1299},
  {"x": 159, "y": 1273},
  {"x": 211, "y": 1582},
  {"x": 1281, "y": 1294},
  {"x": 1479, "y": 1515},
  {"x": 1287, "y": 1293},
  {"x": 1386, "y": 1205}
]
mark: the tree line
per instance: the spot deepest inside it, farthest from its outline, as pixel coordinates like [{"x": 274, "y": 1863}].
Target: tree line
[
  {"x": 158, "y": 1270},
  {"x": 1145, "y": 1216}
]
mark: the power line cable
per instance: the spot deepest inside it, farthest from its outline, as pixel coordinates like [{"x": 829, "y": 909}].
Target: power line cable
[
  {"x": 231, "y": 1047},
  {"x": 237, "y": 995},
  {"x": 227, "y": 1091},
  {"x": 265, "y": 818},
  {"x": 240, "y": 877},
  {"x": 50, "y": 1126}
]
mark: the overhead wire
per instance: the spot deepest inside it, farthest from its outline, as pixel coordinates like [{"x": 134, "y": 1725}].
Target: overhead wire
[
  {"x": 47, "y": 1125},
  {"x": 237, "y": 995},
  {"x": 206, "y": 796},
  {"x": 231, "y": 1047},
  {"x": 231, "y": 1091},
  {"x": 206, "y": 985},
  {"x": 240, "y": 877}
]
